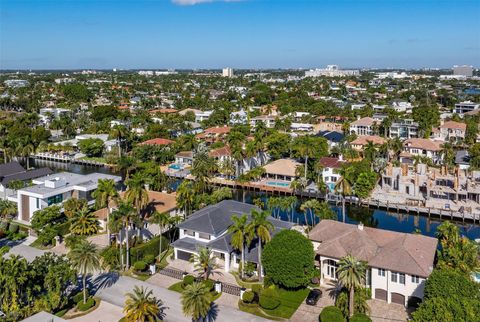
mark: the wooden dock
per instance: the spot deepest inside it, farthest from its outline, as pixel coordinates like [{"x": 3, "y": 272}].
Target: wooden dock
[{"x": 65, "y": 159}]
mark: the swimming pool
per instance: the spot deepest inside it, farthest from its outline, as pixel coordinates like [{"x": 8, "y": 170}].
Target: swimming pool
[
  {"x": 476, "y": 277},
  {"x": 278, "y": 184},
  {"x": 175, "y": 166}
]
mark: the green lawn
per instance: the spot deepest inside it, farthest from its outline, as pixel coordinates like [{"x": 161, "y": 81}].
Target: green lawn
[
  {"x": 289, "y": 303},
  {"x": 96, "y": 159}
]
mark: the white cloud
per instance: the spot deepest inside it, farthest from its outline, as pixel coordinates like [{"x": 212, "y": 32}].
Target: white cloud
[{"x": 194, "y": 2}]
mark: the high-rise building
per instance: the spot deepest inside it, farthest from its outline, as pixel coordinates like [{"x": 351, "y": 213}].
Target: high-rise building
[
  {"x": 227, "y": 72},
  {"x": 463, "y": 70}
]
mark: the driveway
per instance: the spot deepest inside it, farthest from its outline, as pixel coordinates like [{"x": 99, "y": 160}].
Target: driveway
[
  {"x": 105, "y": 312},
  {"x": 17, "y": 248},
  {"x": 112, "y": 289}
]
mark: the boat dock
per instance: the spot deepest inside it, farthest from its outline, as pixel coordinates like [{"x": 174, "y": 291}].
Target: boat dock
[{"x": 66, "y": 159}]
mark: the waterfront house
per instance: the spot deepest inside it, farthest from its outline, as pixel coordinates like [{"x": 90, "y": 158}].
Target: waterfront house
[
  {"x": 55, "y": 189},
  {"x": 13, "y": 171},
  {"x": 404, "y": 129},
  {"x": 423, "y": 148},
  {"x": 208, "y": 227},
  {"x": 184, "y": 158},
  {"x": 359, "y": 143},
  {"x": 330, "y": 170},
  {"x": 268, "y": 120},
  {"x": 398, "y": 263},
  {"x": 282, "y": 169},
  {"x": 214, "y": 134},
  {"x": 363, "y": 126},
  {"x": 451, "y": 131}
]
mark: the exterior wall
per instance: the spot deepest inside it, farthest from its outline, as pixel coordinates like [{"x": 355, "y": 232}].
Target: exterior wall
[{"x": 361, "y": 130}]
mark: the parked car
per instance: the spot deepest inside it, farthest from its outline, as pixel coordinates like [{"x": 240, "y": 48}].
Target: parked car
[{"x": 314, "y": 296}]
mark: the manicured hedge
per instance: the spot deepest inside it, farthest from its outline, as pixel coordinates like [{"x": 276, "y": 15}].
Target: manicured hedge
[
  {"x": 188, "y": 280},
  {"x": 248, "y": 297},
  {"x": 268, "y": 303},
  {"x": 209, "y": 284},
  {"x": 149, "y": 259},
  {"x": 359, "y": 317},
  {"x": 149, "y": 248},
  {"x": 87, "y": 305},
  {"x": 13, "y": 228},
  {"x": 79, "y": 297},
  {"x": 140, "y": 265},
  {"x": 331, "y": 314}
]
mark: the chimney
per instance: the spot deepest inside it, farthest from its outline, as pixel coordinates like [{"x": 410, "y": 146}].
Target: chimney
[{"x": 360, "y": 226}]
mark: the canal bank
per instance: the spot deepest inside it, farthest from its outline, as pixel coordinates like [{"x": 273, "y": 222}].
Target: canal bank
[{"x": 379, "y": 218}]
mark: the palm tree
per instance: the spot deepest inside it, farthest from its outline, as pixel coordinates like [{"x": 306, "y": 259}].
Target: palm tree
[
  {"x": 351, "y": 273},
  {"x": 196, "y": 301},
  {"x": 26, "y": 152},
  {"x": 8, "y": 209},
  {"x": 202, "y": 168},
  {"x": 105, "y": 194},
  {"x": 235, "y": 141},
  {"x": 185, "y": 196},
  {"x": 260, "y": 228},
  {"x": 119, "y": 132},
  {"x": 240, "y": 235},
  {"x": 204, "y": 262},
  {"x": 370, "y": 151},
  {"x": 84, "y": 223},
  {"x": 309, "y": 207},
  {"x": 126, "y": 215},
  {"x": 344, "y": 186},
  {"x": 141, "y": 306},
  {"x": 162, "y": 219},
  {"x": 85, "y": 260}
]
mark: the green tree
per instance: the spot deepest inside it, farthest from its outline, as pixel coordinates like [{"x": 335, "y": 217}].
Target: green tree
[
  {"x": 142, "y": 306},
  {"x": 185, "y": 196},
  {"x": 105, "y": 195},
  {"x": 261, "y": 229},
  {"x": 85, "y": 260},
  {"x": 289, "y": 259},
  {"x": 92, "y": 147},
  {"x": 84, "y": 223},
  {"x": 161, "y": 219},
  {"x": 351, "y": 274},
  {"x": 365, "y": 183},
  {"x": 240, "y": 237},
  {"x": 205, "y": 262},
  {"x": 196, "y": 301}
]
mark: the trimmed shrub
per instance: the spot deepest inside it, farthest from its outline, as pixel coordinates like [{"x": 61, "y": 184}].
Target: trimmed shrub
[
  {"x": 248, "y": 297},
  {"x": 257, "y": 288},
  {"x": 79, "y": 297},
  {"x": 140, "y": 266},
  {"x": 149, "y": 259},
  {"x": 149, "y": 248},
  {"x": 87, "y": 305},
  {"x": 13, "y": 228},
  {"x": 359, "y": 317},
  {"x": 188, "y": 280},
  {"x": 4, "y": 225},
  {"x": 209, "y": 284},
  {"x": 268, "y": 303},
  {"x": 331, "y": 314}
]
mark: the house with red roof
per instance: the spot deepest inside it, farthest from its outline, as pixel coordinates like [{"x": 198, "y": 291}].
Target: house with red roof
[
  {"x": 330, "y": 170},
  {"x": 157, "y": 141}
]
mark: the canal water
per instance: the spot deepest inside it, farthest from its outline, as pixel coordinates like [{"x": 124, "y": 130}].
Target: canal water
[{"x": 401, "y": 222}]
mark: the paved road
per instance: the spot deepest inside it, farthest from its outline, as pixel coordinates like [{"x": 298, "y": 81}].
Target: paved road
[
  {"x": 17, "y": 248},
  {"x": 112, "y": 289}
]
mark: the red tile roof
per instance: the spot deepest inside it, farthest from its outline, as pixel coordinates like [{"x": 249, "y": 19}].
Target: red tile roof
[
  {"x": 424, "y": 144},
  {"x": 158, "y": 141},
  {"x": 218, "y": 130},
  {"x": 454, "y": 125},
  {"x": 223, "y": 151},
  {"x": 329, "y": 162},
  {"x": 164, "y": 110},
  {"x": 363, "y": 140}
]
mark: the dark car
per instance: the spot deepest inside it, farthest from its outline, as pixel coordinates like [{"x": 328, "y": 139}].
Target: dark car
[{"x": 314, "y": 296}]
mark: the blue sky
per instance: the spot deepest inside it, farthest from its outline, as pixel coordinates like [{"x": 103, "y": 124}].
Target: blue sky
[{"x": 242, "y": 34}]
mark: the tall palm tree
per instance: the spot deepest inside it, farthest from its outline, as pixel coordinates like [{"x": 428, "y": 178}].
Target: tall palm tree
[
  {"x": 235, "y": 141},
  {"x": 185, "y": 196},
  {"x": 105, "y": 194},
  {"x": 26, "y": 152},
  {"x": 162, "y": 219},
  {"x": 370, "y": 151},
  {"x": 240, "y": 236},
  {"x": 142, "y": 306},
  {"x": 202, "y": 168},
  {"x": 126, "y": 215},
  {"x": 85, "y": 260},
  {"x": 84, "y": 223},
  {"x": 205, "y": 262},
  {"x": 118, "y": 132},
  {"x": 344, "y": 186},
  {"x": 196, "y": 301},
  {"x": 260, "y": 228},
  {"x": 351, "y": 273}
]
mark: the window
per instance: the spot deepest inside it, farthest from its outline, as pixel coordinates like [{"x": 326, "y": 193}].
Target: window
[
  {"x": 188, "y": 232},
  {"x": 54, "y": 199},
  {"x": 381, "y": 272},
  {"x": 398, "y": 278},
  {"x": 38, "y": 203},
  {"x": 415, "y": 279},
  {"x": 394, "y": 277},
  {"x": 332, "y": 268},
  {"x": 204, "y": 236}
]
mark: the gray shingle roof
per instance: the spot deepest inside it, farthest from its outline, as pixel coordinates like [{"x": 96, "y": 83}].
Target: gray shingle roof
[
  {"x": 25, "y": 175},
  {"x": 215, "y": 219},
  {"x": 10, "y": 168}
]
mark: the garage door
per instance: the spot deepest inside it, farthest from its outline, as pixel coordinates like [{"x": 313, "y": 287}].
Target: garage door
[
  {"x": 183, "y": 255},
  {"x": 381, "y": 294},
  {"x": 398, "y": 298}
]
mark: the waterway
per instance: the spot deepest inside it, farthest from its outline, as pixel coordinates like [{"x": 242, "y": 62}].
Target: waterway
[{"x": 394, "y": 221}]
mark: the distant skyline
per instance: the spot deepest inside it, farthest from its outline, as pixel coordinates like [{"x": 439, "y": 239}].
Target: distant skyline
[{"x": 242, "y": 34}]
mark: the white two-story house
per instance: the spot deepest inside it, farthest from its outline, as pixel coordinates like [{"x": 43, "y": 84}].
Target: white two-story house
[
  {"x": 55, "y": 189},
  {"x": 398, "y": 263},
  {"x": 330, "y": 171},
  {"x": 208, "y": 227}
]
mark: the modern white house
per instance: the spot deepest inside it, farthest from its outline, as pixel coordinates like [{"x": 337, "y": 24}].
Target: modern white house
[
  {"x": 465, "y": 107},
  {"x": 55, "y": 189},
  {"x": 398, "y": 263},
  {"x": 268, "y": 120},
  {"x": 208, "y": 227},
  {"x": 404, "y": 129}
]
